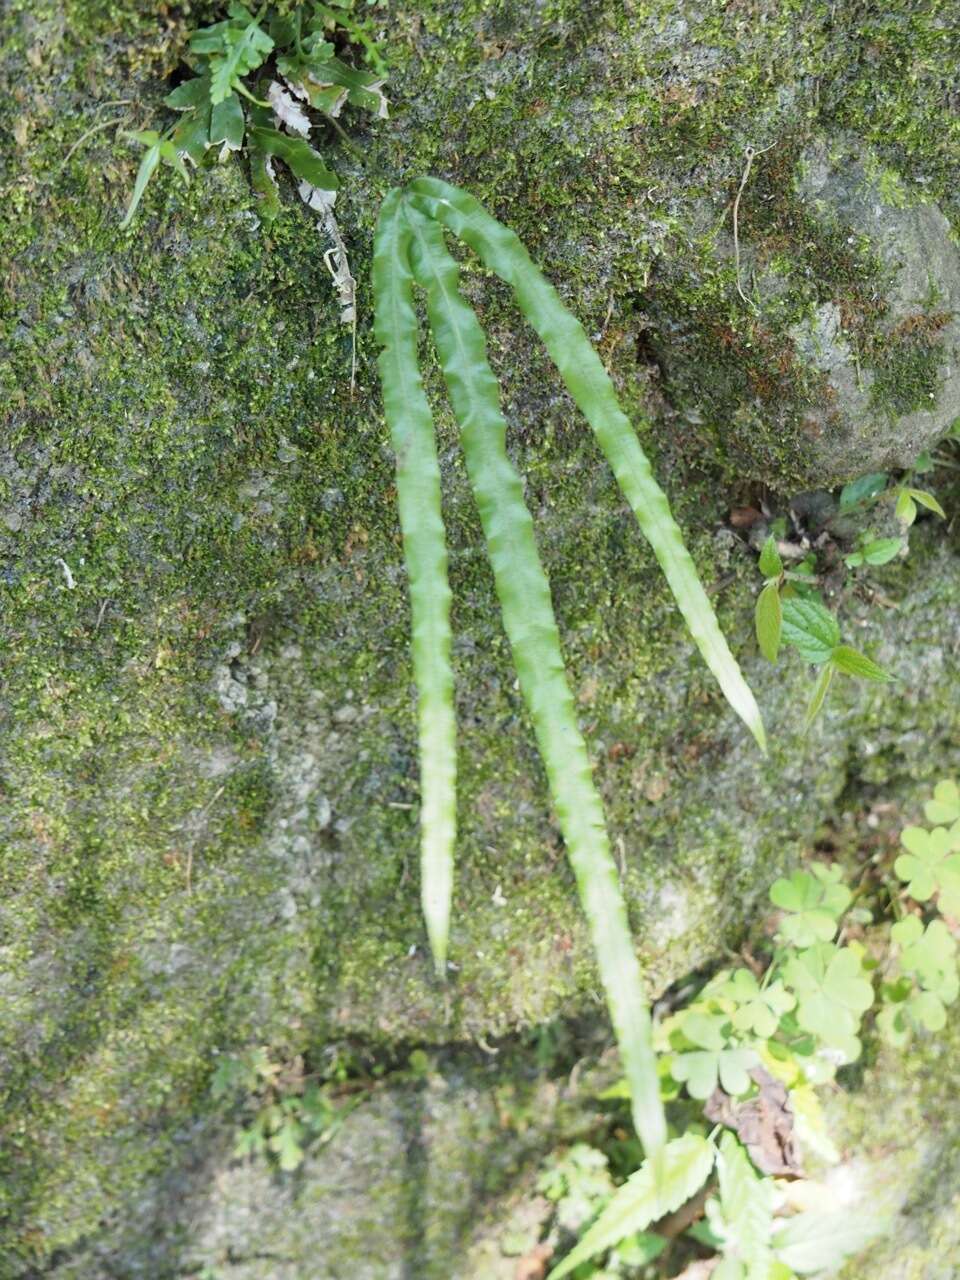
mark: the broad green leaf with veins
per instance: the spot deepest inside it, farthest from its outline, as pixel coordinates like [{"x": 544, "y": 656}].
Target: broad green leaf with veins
[
  {"x": 932, "y": 865},
  {"x": 714, "y": 1061},
  {"x": 832, "y": 993},
  {"x": 758, "y": 1010},
  {"x": 810, "y": 628},
  {"x": 814, "y": 903}
]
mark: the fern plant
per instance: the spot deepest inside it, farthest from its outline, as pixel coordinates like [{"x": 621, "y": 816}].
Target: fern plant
[{"x": 410, "y": 249}]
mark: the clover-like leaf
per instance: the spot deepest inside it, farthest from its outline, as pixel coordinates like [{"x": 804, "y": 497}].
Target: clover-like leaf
[
  {"x": 929, "y": 953},
  {"x": 814, "y": 901},
  {"x": 714, "y": 1061},
  {"x": 931, "y": 865},
  {"x": 758, "y": 1010},
  {"x": 944, "y": 808},
  {"x": 832, "y": 993}
]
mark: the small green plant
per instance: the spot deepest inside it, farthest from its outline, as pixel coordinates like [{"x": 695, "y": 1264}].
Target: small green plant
[
  {"x": 790, "y": 610},
  {"x": 747, "y": 1056},
  {"x": 785, "y": 616},
  {"x": 223, "y": 108},
  {"x": 409, "y": 249},
  {"x": 283, "y": 1113}
]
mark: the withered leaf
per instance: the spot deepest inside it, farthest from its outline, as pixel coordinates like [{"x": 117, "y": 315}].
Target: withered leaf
[{"x": 764, "y": 1124}]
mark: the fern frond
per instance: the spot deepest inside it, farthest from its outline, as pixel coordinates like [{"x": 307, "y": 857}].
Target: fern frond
[
  {"x": 587, "y": 381},
  {"x": 524, "y": 595},
  {"x": 425, "y": 554}
]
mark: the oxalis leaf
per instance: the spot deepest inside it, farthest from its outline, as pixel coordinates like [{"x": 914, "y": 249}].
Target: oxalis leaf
[
  {"x": 814, "y": 901},
  {"x": 944, "y": 808},
  {"x": 832, "y": 993},
  {"x": 759, "y": 1010},
  {"x": 661, "y": 1184},
  {"x": 589, "y": 385},
  {"x": 716, "y": 1061},
  {"x": 930, "y": 953},
  {"x": 932, "y": 865}
]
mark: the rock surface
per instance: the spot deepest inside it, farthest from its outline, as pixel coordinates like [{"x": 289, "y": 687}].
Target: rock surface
[{"x": 208, "y": 775}]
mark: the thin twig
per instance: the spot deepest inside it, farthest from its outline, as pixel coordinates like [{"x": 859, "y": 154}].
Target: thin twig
[
  {"x": 102, "y": 124},
  {"x": 750, "y": 153}
]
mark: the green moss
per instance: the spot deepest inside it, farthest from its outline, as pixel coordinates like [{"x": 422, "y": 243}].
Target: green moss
[
  {"x": 906, "y": 377},
  {"x": 181, "y": 432}
]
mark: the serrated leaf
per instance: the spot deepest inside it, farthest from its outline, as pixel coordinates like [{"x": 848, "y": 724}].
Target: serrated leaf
[
  {"x": 927, "y": 500},
  {"x": 944, "y": 808},
  {"x": 810, "y": 628},
  {"x": 771, "y": 566},
  {"x": 769, "y": 618},
  {"x": 746, "y": 1208},
  {"x": 816, "y": 1241},
  {"x": 661, "y": 1185},
  {"x": 286, "y": 1144},
  {"x": 861, "y": 490},
  {"x": 239, "y": 47},
  {"x": 852, "y": 663}
]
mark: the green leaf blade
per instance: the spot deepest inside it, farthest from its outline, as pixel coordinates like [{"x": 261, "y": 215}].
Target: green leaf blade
[
  {"x": 525, "y": 602},
  {"x": 662, "y": 1184},
  {"x": 852, "y": 663},
  {"x": 148, "y": 166},
  {"x": 769, "y": 621},
  {"x": 810, "y": 628},
  {"x": 425, "y": 553},
  {"x": 590, "y": 386}
]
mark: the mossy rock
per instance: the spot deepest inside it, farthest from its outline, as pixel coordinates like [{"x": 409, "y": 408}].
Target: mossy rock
[{"x": 209, "y": 774}]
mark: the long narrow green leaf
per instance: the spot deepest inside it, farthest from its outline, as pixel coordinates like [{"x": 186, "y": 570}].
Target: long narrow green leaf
[
  {"x": 524, "y": 596},
  {"x": 588, "y": 383},
  {"x": 425, "y": 553}
]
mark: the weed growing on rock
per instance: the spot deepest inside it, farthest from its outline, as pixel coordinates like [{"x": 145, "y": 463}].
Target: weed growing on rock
[
  {"x": 410, "y": 249},
  {"x": 790, "y": 609},
  {"x": 747, "y": 1057}
]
